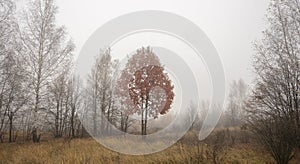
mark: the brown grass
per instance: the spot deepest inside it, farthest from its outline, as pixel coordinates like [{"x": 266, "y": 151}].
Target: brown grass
[{"x": 89, "y": 151}]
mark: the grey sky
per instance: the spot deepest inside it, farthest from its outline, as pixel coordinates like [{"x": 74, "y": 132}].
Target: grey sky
[{"x": 231, "y": 25}]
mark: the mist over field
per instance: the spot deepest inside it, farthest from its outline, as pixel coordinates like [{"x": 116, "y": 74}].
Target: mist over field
[{"x": 101, "y": 82}]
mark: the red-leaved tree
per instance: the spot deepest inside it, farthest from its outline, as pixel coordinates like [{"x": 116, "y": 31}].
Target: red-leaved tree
[{"x": 144, "y": 88}]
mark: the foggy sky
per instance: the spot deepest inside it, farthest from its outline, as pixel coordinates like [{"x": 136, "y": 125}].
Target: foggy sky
[{"x": 231, "y": 25}]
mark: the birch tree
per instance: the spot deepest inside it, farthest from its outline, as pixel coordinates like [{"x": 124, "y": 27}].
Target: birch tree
[
  {"x": 74, "y": 92},
  {"x": 100, "y": 91},
  {"x": 6, "y": 31},
  {"x": 13, "y": 87},
  {"x": 47, "y": 52}
]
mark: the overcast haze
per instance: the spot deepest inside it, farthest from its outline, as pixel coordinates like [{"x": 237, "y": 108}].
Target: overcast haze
[{"x": 231, "y": 25}]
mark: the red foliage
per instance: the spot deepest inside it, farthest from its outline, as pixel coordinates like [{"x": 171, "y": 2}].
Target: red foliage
[{"x": 142, "y": 79}]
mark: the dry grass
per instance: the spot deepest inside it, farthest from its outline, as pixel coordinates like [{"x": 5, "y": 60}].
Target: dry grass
[{"x": 89, "y": 151}]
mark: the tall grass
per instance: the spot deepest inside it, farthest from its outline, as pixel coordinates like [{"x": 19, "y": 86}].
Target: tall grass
[{"x": 89, "y": 151}]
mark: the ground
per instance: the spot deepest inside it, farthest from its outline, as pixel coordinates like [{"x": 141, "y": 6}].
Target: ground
[{"x": 87, "y": 150}]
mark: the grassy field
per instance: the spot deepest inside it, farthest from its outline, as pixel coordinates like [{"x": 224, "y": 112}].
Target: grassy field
[{"x": 87, "y": 150}]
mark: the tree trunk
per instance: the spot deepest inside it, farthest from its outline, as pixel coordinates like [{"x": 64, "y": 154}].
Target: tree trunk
[
  {"x": 146, "y": 113},
  {"x": 56, "y": 120},
  {"x": 72, "y": 122},
  {"x": 142, "y": 121},
  {"x": 10, "y": 128},
  {"x": 1, "y": 137}
]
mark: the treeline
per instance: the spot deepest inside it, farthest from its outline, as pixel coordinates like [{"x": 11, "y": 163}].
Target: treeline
[
  {"x": 40, "y": 92},
  {"x": 37, "y": 89},
  {"x": 270, "y": 108}
]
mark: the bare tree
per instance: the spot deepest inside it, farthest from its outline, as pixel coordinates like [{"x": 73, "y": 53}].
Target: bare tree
[
  {"x": 58, "y": 103},
  {"x": 12, "y": 75},
  {"x": 46, "y": 51},
  {"x": 13, "y": 94},
  {"x": 17, "y": 96},
  {"x": 74, "y": 90},
  {"x": 274, "y": 104},
  {"x": 6, "y": 33},
  {"x": 99, "y": 91},
  {"x": 235, "y": 108}
]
